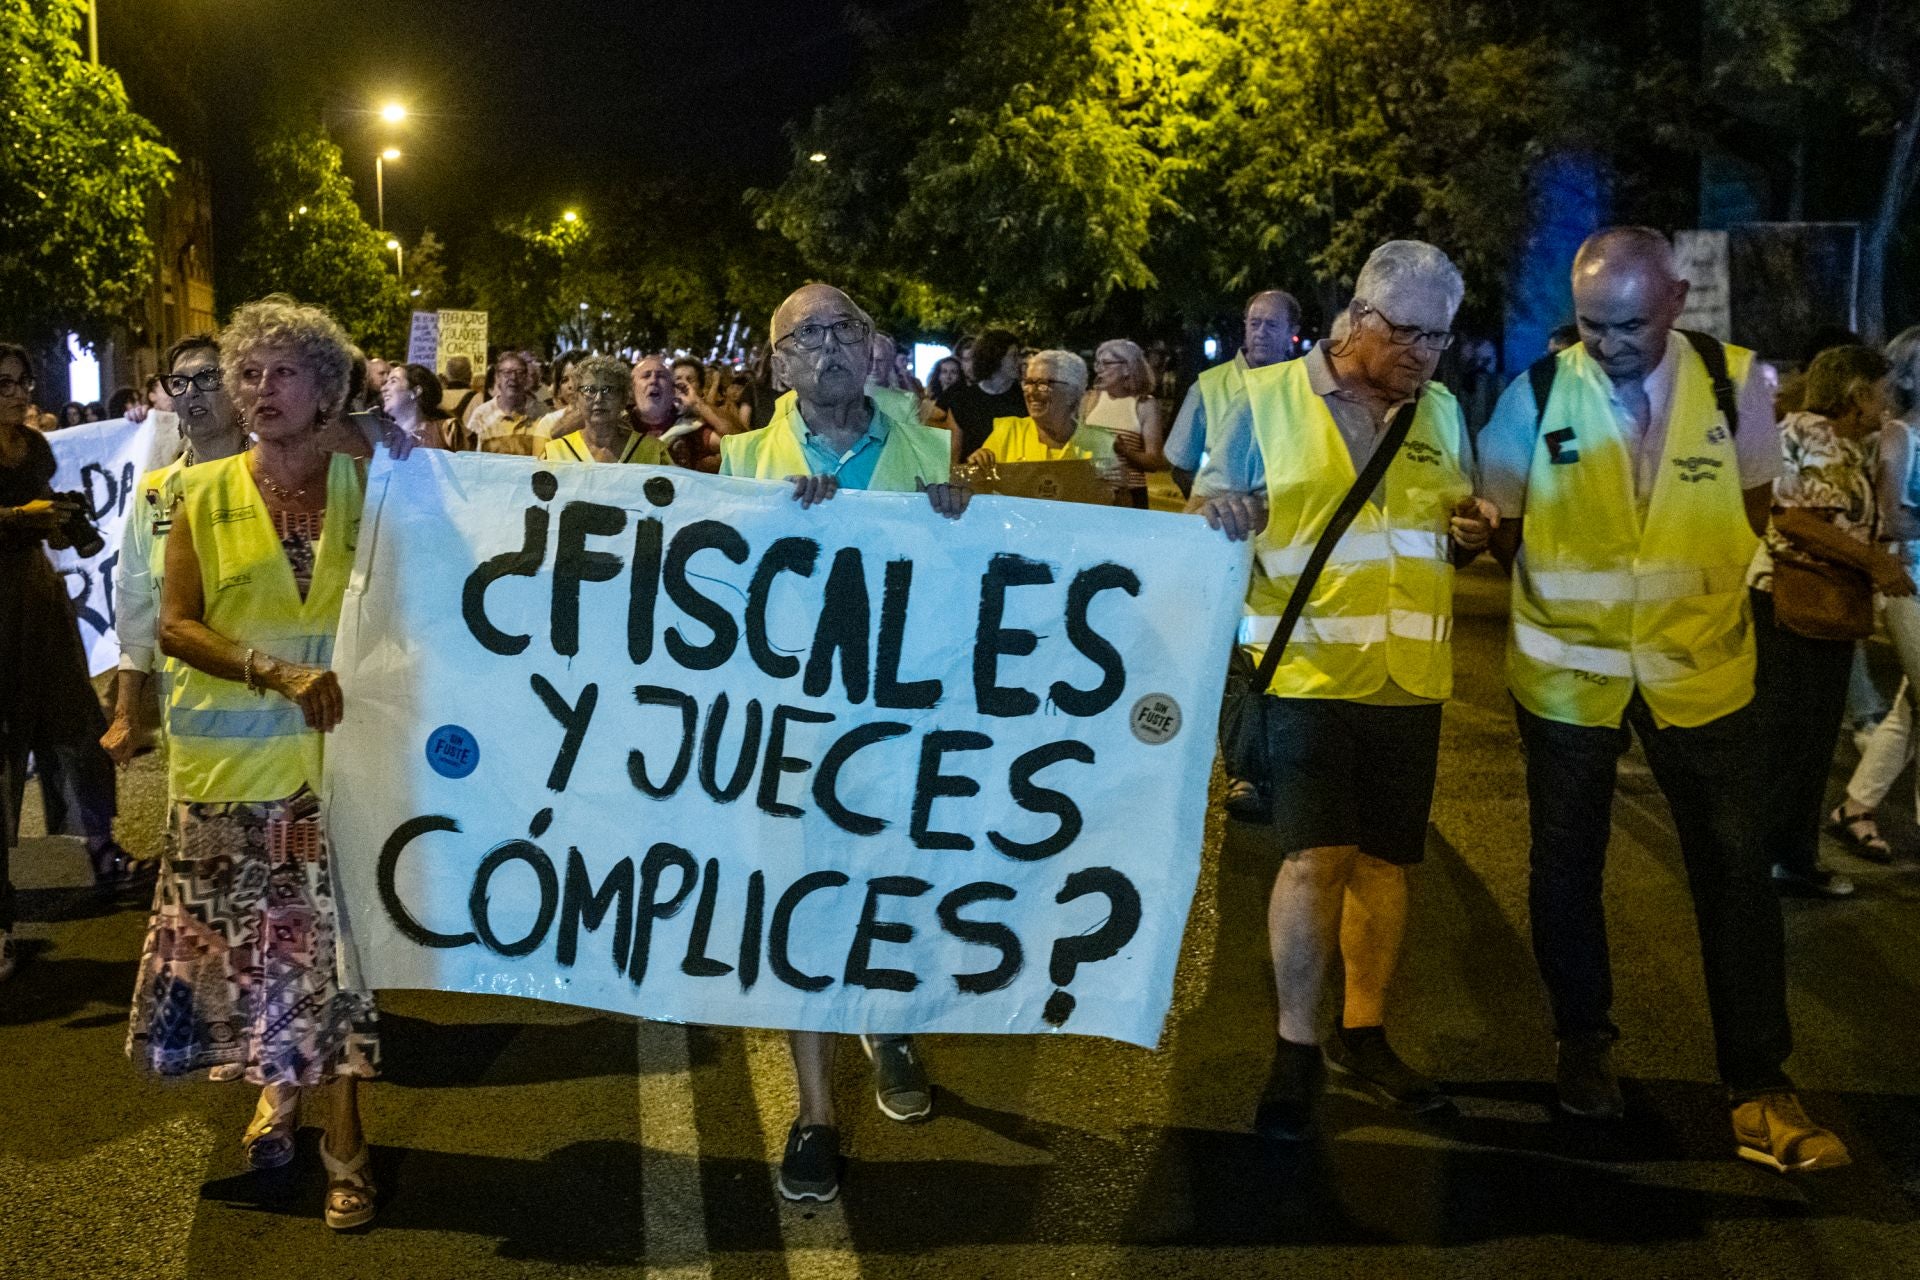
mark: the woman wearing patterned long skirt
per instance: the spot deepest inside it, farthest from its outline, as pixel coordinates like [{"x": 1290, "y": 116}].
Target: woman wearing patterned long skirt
[{"x": 239, "y": 963}]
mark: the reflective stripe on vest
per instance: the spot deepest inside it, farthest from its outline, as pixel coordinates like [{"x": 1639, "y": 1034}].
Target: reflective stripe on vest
[
  {"x": 1383, "y": 606},
  {"x": 1606, "y": 601},
  {"x": 228, "y": 742},
  {"x": 912, "y": 455}
]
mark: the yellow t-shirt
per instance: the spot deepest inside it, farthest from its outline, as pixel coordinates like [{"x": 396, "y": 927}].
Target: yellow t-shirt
[
  {"x": 572, "y": 447},
  {"x": 1021, "y": 440}
]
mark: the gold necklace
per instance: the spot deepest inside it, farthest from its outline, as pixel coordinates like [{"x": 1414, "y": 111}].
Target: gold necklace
[{"x": 276, "y": 489}]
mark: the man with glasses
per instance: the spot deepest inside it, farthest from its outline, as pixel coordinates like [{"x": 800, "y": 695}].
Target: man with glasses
[
  {"x": 1634, "y": 473},
  {"x": 504, "y": 424},
  {"x": 1271, "y": 327},
  {"x": 1354, "y": 710},
  {"x": 835, "y": 437}
]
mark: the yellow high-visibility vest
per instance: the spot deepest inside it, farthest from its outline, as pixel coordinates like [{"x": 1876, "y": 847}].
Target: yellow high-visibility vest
[
  {"x": 229, "y": 743},
  {"x": 1383, "y": 607},
  {"x": 1601, "y": 604},
  {"x": 913, "y": 454},
  {"x": 1021, "y": 440},
  {"x": 572, "y": 447},
  {"x": 1223, "y": 389}
]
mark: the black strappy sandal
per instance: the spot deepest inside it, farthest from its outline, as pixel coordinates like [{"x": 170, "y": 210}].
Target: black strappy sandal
[{"x": 1861, "y": 834}]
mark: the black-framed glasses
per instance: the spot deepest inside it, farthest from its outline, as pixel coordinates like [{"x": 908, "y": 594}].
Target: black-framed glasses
[
  {"x": 811, "y": 337},
  {"x": 207, "y": 380},
  {"x": 8, "y": 386},
  {"x": 1406, "y": 335}
]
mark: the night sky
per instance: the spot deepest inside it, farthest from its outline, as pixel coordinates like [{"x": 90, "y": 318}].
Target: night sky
[{"x": 514, "y": 105}]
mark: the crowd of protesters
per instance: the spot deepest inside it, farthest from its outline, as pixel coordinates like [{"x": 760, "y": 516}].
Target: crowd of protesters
[{"x": 1695, "y": 555}]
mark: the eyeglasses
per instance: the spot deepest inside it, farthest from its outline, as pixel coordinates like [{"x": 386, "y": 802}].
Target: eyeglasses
[
  {"x": 207, "y": 380},
  {"x": 810, "y": 337},
  {"x": 1405, "y": 335},
  {"x": 593, "y": 391},
  {"x": 1041, "y": 384},
  {"x": 24, "y": 386}
]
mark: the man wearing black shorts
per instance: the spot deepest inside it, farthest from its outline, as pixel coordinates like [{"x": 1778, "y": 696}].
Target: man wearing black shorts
[{"x": 1354, "y": 729}]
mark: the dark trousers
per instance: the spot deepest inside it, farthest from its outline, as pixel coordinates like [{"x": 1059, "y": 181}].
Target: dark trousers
[
  {"x": 1713, "y": 779},
  {"x": 1802, "y": 692}
]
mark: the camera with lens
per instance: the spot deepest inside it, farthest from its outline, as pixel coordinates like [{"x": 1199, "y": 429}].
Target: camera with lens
[{"x": 76, "y": 529}]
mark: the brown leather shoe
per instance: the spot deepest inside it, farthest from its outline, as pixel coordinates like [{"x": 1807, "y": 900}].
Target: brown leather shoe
[{"x": 1773, "y": 1130}]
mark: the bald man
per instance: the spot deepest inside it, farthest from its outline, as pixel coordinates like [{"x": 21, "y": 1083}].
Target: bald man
[
  {"x": 1633, "y": 473},
  {"x": 834, "y": 436}
]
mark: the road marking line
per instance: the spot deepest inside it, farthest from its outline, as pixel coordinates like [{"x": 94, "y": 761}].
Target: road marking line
[
  {"x": 673, "y": 1208},
  {"x": 818, "y": 1243}
]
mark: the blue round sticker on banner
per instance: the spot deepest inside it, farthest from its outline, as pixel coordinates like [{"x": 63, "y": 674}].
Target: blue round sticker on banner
[{"x": 452, "y": 751}]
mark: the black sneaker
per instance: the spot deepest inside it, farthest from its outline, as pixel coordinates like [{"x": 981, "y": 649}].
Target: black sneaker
[
  {"x": 1817, "y": 883},
  {"x": 1292, "y": 1095},
  {"x": 810, "y": 1170},
  {"x": 900, "y": 1085},
  {"x": 1585, "y": 1078},
  {"x": 1364, "y": 1056}
]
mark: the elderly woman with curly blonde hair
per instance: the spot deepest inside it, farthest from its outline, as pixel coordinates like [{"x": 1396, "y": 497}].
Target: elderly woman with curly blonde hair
[
  {"x": 1122, "y": 401},
  {"x": 238, "y": 967}
]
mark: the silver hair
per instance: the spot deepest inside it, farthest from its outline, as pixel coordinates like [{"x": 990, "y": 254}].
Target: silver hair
[
  {"x": 603, "y": 366},
  {"x": 1067, "y": 366},
  {"x": 1399, "y": 266},
  {"x": 1903, "y": 353},
  {"x": 314, "y": 336}
]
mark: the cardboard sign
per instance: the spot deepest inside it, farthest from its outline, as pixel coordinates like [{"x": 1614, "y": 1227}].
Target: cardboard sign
[
  {"x": 463, "y": 333},
  {"x": 647, "y": 740},
  {"x": 1068, "y": 480}
]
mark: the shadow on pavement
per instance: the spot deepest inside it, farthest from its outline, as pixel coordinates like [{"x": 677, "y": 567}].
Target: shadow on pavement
[{"x": 417, "y": 1054}]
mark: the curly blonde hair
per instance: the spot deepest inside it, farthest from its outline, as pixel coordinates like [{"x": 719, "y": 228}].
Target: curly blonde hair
[
  {"x": 1138, "y": 380},
  {"x": 278, "y": 321},
  {"x": 612, "y": 367}
]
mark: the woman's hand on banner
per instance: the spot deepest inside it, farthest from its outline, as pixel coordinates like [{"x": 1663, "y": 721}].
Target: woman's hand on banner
[{"x": 315, "y": 690}]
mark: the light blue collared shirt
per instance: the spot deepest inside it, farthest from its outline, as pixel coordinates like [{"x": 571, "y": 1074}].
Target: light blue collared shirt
[{"x": 854, "y": 468}]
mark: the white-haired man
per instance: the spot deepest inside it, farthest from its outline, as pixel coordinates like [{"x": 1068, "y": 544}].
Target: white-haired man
[
  {"x": 1638, "y": 465},
  {"x": 835, "y": 437},
  {"x": 1354, "y": 720}
]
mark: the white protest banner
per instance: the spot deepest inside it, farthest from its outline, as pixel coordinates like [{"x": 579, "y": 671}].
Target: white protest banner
[
  {"x": 645, "y": 740},
  {"x": 1702, "y": 259},
  {"x": 423, "y": 340},
  {"x": 463, "y": 333},
  {"x": 100, "y": 461}
]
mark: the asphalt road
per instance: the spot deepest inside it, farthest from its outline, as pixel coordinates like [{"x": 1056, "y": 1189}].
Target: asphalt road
[{"x": 519, "y": 1139}]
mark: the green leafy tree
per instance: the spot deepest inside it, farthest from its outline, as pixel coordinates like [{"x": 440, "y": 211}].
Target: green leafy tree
[
  {"x": 426, "y": 282},
  {"x": 308, "y": 239},
  {"x": 79, "y": 171}
]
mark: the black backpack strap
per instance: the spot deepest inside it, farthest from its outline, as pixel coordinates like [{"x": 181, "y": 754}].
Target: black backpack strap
[
  {"x": 1383, "y": 455},
  {"x": 1540, "y": 378},
  {"x": 1714, "y": 356}
]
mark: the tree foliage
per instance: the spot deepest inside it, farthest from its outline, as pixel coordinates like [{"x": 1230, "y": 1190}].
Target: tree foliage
[
  {"x": 79, "y": 171},
  {"x": 1054, "y": 160},
  {"x": 308, "y": 238}
]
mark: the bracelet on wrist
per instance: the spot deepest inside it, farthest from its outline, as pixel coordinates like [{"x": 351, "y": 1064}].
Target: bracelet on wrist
[{"x": 252, "y": 676}]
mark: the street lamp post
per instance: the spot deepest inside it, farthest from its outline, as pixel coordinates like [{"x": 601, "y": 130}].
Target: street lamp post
[
  {"x": 380, "y": 185},
  {"x": 399, "y": 258}
]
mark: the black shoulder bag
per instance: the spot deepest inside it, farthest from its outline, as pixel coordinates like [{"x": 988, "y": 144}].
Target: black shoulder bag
[{"x": 1243, "y": 708}]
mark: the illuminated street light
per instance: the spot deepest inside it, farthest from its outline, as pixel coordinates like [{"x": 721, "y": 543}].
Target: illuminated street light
[
  {"x": 303, "y": 208},
  {"x": 393, "y": 113},
  {"x": 818, "y": 157},
  {"x": 570, "y": 216},
  {"x": 380, "y": 185}
]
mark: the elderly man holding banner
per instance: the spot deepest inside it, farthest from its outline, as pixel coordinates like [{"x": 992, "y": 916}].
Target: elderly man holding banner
[
  {"x": 837, "y": 437},
  {"x": 1350, "y": 707},
  {"x": 1641, "y": 460}
]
